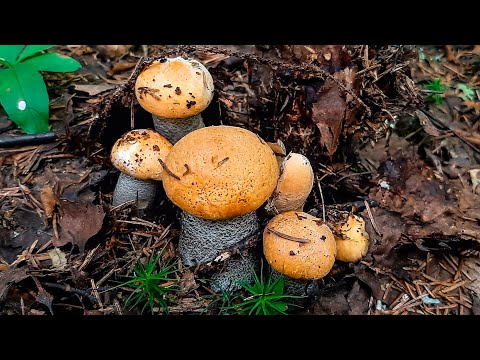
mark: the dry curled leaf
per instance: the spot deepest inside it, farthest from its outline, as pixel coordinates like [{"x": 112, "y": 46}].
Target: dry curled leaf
[
  {"x": 79, "y": 221},
  {"x": 48, "y": 200},
  {"x": 329, "y": 112}
]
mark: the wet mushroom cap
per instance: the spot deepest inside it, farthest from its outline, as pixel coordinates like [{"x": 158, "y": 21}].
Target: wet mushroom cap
[
  {"x": 136, "y": 153},
  {"x": 352, "y": 244},
  {"x": 299, "y": 260},
  {"x": 174, "y": 88},
  {"x": 220, "y": 172},
  {"x": 294, "y": 184}
]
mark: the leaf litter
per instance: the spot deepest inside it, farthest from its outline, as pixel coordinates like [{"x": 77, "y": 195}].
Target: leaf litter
[{"x": 358, "y": 114}]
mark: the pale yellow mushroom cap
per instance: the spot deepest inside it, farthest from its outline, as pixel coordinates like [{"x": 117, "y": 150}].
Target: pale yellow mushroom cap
[
  {"x": 220, "y": 172},
  {"x": 294, "y": 184},
  {"x": 352, "y": 244},
  {"x": 306, "y": 261},
  {"x": 174, "y": 88},
  {"x": 137, "y": 152}
]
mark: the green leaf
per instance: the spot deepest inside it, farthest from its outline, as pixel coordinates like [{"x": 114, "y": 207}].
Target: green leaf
[
  {"x": 53, "y": 62},
  {"x": 9, "y": 53},
  {"x": 467, "y": 92},
  {"x": 30, "y": 50},
  {"x": 24, "y": 97}
]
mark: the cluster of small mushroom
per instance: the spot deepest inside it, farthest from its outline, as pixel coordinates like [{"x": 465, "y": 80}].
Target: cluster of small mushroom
[{"x": 219, "y": 176}]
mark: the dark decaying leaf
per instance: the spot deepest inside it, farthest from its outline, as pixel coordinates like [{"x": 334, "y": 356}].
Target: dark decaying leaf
[
  {"x": 43, "y": 297},
  {"x": 429, "y": 206},
  {"x": 330, "y": 110},
  {"x": 343, "y": 301},
  {"x": 9, "y": 277},
  {"x": 79, "y": 221}
]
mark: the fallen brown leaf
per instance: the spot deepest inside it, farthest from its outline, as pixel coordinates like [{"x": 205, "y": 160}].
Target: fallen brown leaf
[
  {"x": 330, "y": 110},
  {"x": 43, "y": 297},
  {"x": 79, "y": 221},
  {"x": 11, "y": 276},
  {"x": 48, "y": 200}
]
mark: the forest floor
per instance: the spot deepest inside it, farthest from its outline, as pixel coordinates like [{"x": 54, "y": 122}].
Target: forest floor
[{"x": 392, "y": 133}]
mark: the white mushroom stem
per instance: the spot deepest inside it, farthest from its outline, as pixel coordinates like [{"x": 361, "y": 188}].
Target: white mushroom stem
[
  {"x": 140, "y": 192},
  {"x": 174, "y": 129}
]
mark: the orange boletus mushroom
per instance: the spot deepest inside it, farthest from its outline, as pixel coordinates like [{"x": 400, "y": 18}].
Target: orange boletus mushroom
[
  {"x": 352, "y": 240},
  {"x": 294, "y": 185},
  {"x": 299, "y": 246},
  {"x": 136, "y": 154},
  {"x": 219, "y": 176},
  {"x": 175, "y": 91}
]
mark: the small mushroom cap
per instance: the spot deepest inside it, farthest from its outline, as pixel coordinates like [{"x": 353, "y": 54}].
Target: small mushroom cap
[
  {"x": 303, "y": 261},
  {"x": 174, "y": 88},
  {"x": 352, "y": 244},
  {"x": 294, "y": 184},
  {"x": 137, "y": 152},
  {"x": 220, "y": 172}
]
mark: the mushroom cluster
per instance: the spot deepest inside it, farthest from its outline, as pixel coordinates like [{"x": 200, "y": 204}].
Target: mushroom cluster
[
  {"x": 219, "y": 176},
  {"x": 175, "y": 91}
]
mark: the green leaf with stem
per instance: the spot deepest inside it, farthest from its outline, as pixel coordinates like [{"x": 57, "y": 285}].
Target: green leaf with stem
[{"x": 23, "y": 93}]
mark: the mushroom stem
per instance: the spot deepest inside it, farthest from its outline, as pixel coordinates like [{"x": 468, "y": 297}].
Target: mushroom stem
[
  {"x": 237, "y": 269},
  {"x": 141, "y": 192},
  {"x": 201, "y": 240},
  {"x": 174, "y": 129}
]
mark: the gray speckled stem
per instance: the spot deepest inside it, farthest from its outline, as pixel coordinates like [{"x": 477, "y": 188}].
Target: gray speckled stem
[
  {"x": 202, "y": 240},
  {"x": 307, "y": 288},
  {"x": 128, "y": 188},
  {"x": 174, "y": 129},
  {"x": 238, "y": 268}
]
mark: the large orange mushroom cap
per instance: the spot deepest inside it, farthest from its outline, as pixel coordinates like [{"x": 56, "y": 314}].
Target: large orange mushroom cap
[
  {"x": 136, "y": 153},
  {"x": 220, "y": 172},
  {"x": 174, "y": 88},
  {"x": 309, "y": 260}
]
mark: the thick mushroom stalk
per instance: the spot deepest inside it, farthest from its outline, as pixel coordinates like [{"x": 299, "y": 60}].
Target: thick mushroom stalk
[
  {"x": 175, "y": 91},
  {"x": 139, "y": 155},
  {"x": 299, "y": 246},
  {"x": 294, "y": 185},
  {"x": 219, "y": 176}
]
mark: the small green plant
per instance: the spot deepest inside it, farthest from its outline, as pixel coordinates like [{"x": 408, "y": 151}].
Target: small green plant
[
  {"x": 438, "y": 88},
  {"x": 467, "y": 93},
  {"x": 23, "y": 93},
  {"x": 151, "y": 287},
  {"x": 222, "y": 300},
  {"x": 264, "y": 297}
]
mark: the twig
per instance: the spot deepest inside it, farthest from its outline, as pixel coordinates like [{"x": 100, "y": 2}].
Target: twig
[
  {"x": 27, "y": 139},
  {"x": 167, "y": 170},
  {"x": 321, "y": 197},
  {"x": 285, "y": 236},
  {"x": 371, "y": 218},
  {"x": 66, "y": 288}
]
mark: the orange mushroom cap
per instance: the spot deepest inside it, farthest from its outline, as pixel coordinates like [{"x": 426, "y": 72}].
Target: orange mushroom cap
[
  {"x": 220, "y": 172},
  {"x": 136, "y": 153},
  {"x": 310, "y": 259},
  {"x": 352, "y": 244},
  {"x": 174, "y": 88},
  {"x": 294, "y": 184}
]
